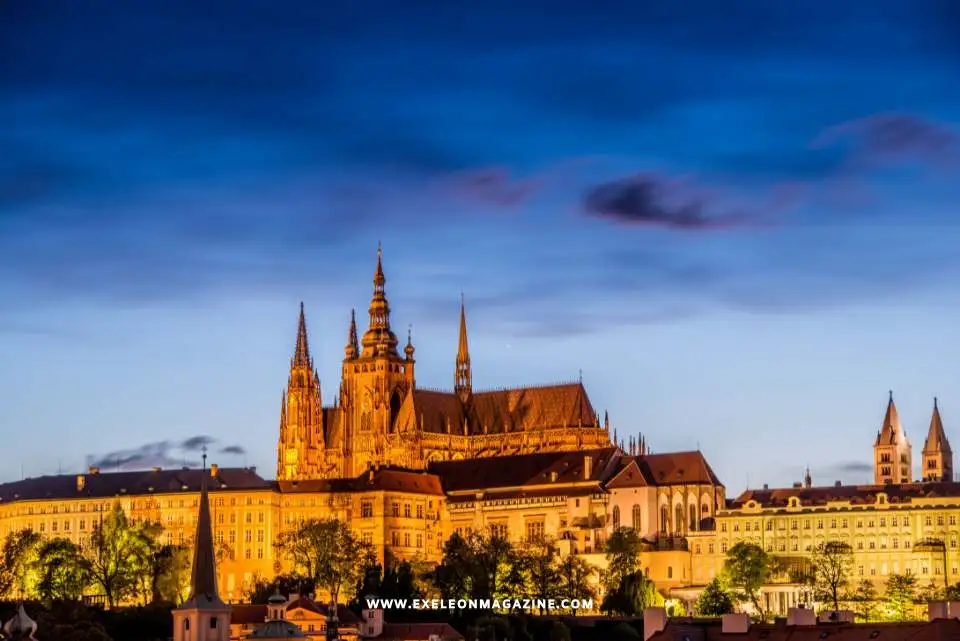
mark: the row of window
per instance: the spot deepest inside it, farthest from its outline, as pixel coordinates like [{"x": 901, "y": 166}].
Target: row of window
[{"x": 781, "y": 524}]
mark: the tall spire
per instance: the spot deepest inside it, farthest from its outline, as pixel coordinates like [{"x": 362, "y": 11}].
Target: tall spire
[
  {"x": 379, "y": 339},
  {"x": 203, "y": 579},
  {"x": 353, "y": 345},
  {"x": 463, "y": 377},
  {"x": 891, "y": 431},
  {"x": 301, "y": 353},
  {"x": 937, "y": 454}
]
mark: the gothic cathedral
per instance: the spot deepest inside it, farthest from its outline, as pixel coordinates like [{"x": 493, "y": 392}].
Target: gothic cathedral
[{"x": 381, "y": 417}]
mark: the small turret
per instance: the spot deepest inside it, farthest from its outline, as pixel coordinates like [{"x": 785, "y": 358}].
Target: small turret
[
  {"x": 352, "y": 349},
  {"x": 937, "y": 455},
  {"x": 463, "y": 377}
]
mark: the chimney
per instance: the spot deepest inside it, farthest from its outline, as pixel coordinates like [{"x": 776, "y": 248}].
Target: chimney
[
  {"x": 766, "y": 486},
  {"x": 587, "y": 467},
  {"x": 654, "y": 620},
  {"x": 738, "y": 623},
  {"x": 214, "y": 469},
  {"x": 838, "y": 484},
  {"x": 797, "y": 485},
  {"x": 93, "y": 470},
  {"x": 943, "y": 610},
  {"x": 553, "y": 477},
  {"x": 801, "y": 616},
  {"x": 81, "y": 482},
  {"x": 370, "y": 476}
]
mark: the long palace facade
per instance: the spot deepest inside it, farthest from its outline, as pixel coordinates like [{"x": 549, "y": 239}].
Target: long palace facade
[{"x": 407, "y": 467}]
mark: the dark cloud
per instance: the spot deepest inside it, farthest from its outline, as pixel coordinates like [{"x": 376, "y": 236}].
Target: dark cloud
[
  {"x": 233, "y": 449},
  {"x": 854, "y": 467},
  {"x": 894, "y": 139},
  {"x": 196, "y": 442},
  {"x": 652, "y": 201},
  {"x": 158, "y": 454}
]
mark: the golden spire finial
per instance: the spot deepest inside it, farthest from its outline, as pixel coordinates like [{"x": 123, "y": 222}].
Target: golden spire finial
[{"x": 463, "y": 376}]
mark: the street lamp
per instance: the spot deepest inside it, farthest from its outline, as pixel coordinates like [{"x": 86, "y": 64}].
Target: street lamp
[{"x": 935, "y": 545}]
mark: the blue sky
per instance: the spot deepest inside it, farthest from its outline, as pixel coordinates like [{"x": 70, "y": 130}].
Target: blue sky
[{"x": 739, "y": 221}]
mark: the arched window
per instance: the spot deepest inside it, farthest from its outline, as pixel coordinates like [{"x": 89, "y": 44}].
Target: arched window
[
  {"x": 616, "y": 516},
  {"x": 636, "y": 517},
  {"x": 664, "y": 519},
  {"x": 395, "y": 401},
  {"x": 693, "y": 517},
  {"x": 365, "y": 422},
  {"x": 678, "y": 519},
  {"x": 186, "y": 624},
  {"x": 669, "y": 571}
]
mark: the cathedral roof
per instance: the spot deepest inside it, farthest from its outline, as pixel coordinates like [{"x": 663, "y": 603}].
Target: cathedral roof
[
  {"x": 891, "y": 432},
  {"x": 936, "y": 436},
  {"x": 670, "y": 468},
  {"x": 522, "y": 409},
  {"x": 523, "y": 470},
  {"x": 96, "y": 484},
  {"x": 855, "y": 494}
]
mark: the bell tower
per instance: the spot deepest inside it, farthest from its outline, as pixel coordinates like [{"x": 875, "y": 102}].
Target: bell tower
[
  {"x": 937, "y": 455},
  {"x": 376, "y": 381},
  {"x": 301, "y": 413},
  {"x": 892, "y": 453}
]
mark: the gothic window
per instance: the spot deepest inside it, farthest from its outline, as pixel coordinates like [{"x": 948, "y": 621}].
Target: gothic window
[
  {"x": 365, "y": 422},
  {"x": 664, "y": 519},
  {"x": 693, "y": 517},
  {"x": 394, "y": 408},
  {"x": 616, "y": 517},
  {"x": 678, "y": 522},
  {"x": 636, "y": 516}
]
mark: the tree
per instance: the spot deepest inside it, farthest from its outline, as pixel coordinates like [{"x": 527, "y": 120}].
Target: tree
[
  {"x": 329, "y": 552},
  {"x": 623, "y": 556},
  {"x": 899, "y": 596},
  {"x": 453, "y": 577},
  {"x": 116, "y": 557},
  {"x": 575, "y": 574},
  {"x": 864, "y": 600},
  {"x": 635, "y": 594},
  {"x": 747, "y": 568},
  {"x": 540, "y": 560},
  {"x": 929, "y": 593},
  {"x": 286, "y": 584},
  {"x": 17, "y": 560},
  {"x": 714, "y": 601},
  {"x": 953, "y": 592},
  {"x": 831, "y": 565},
  {"x": 169, "y": 572},
  {"x": 62, "y": 574}
]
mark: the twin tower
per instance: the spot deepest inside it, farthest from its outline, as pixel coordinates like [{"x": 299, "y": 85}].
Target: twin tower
[
  {"x": 893, "y": 454},
  {"x": 380, "y": 416}
]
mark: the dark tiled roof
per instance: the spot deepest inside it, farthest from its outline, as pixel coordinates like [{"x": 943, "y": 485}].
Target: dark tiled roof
[
  {"x": 418, "y": 632},
  {"x": 856, "y": 494},
  {"x": 523, "y": 470},
  {"x": 111, "y": 484},
  {"x": 499, "y": 411},
  {"x": 677, "y": 468},
  {"x": 385, "y": 479},
  {"x": 711, "y": 630}
]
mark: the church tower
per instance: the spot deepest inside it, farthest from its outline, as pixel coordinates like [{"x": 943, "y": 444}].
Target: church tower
[
  {"x": 376, "y": 380},
  {"x": 301, "y": 413},
  {"x": 463, "y": 377},
  {"x": 204, "y": 616},
  {"x": 892, "y": 453},
  {"x": 937, "y": 455}
]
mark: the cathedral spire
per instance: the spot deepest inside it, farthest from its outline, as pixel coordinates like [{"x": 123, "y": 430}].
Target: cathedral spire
[
  {"x": 301, "y": 353},
  {"x": 203, "y": 579},
  {"x": 353, "y": 344},
  {"x": 463, "y": 377},
  {"x": 379, "y": 339}
]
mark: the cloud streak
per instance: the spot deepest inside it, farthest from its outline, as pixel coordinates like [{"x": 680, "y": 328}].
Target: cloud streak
[{"x": 159, "y": 454}]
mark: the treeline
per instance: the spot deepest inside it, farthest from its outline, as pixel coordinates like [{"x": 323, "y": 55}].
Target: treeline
[{"x": 828, "y": 581}]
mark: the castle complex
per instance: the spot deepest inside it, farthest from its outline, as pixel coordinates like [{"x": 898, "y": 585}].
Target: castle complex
[
  {"x": 381, "y": 417},
  {"x": 407, "y": 467}
]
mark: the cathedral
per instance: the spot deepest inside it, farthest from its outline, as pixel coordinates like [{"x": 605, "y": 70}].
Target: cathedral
[{"x": 382, "y": 418}]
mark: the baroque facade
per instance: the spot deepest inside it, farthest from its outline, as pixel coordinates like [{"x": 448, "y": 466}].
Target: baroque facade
[{"x": 381, "y": 417}]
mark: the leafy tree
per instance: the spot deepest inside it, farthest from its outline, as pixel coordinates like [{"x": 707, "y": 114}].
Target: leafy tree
[
  {"x": 540, "y": 559},
  {"x": 929, "y": 592},
  {"x": 635, "y": 593},
  {"x": 623, "y": 556},
  {"x": 575, "y": 574},
  {"x": 328, "y": 551},
  {"x": 831, "y": 566},
  {"x": 453, "y": 577},
  {"x": 286, "y": 584},
  {"x": 953, "y": 592},
  {"x": 864, "y": 600},
  {"x": 899, "y": 595},
  {"x": 714, "y": 601},
  {"x": 116, "y": 555},
  {"x": 168, "y": 568},
  {"x": 17, "y": 560},
  {"x": 69, "y": 622},
  {"x": 479, "y": 566},
  {"x": 62, "y": 573},
  {"x": 747, "y": 568}
]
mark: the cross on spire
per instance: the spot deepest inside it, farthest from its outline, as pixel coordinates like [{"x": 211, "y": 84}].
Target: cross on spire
[{"x": 204, "y": 450}]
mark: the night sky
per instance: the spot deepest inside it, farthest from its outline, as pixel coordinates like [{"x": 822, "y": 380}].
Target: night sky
[{"x": 737, "y": 219}]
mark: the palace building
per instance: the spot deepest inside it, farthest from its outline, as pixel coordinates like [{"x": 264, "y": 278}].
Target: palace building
[{"x": 383, "y": 418}]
